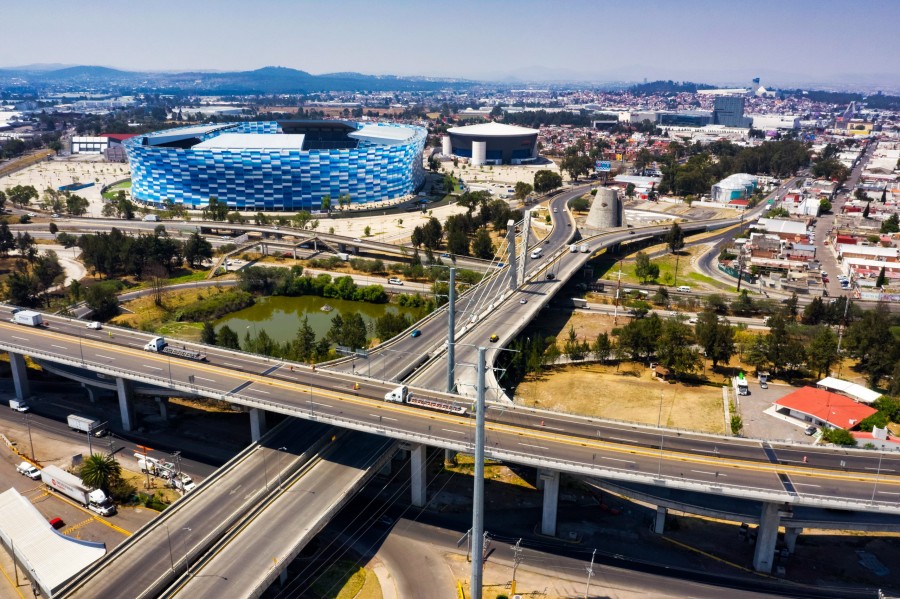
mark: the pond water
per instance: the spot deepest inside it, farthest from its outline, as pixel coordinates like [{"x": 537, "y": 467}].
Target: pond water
[{"x": 280, "y": 316}]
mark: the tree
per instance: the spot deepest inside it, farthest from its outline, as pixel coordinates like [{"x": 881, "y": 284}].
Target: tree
[
  {"x": 100, "y": 471},
  {"x": 226, "y": 337},
  {"x": 7, "y": 239},
  {"x": 197, "y": 249},
  {"x": 822, "y": 351},
  {"x": 349, "y": 331},
  {"x": 21, "y": 195},
  {"x": 391, "y": 324},
  {"x": 102, "y": 300},
  {"x": 602, "y": 347},
  {"x": 326, "y": 202},
  {"x": 838, "y": 436},
  {"x": 881, "y": 280},
  {"x": 575, "y": 163},
  {"x": 715, "y": 337},
  {"x": 522, "y": 190},
  {"x": 676, "y": 349},
  {"x": 824, "y": 205},
  {"x": 629, "y": 190},
  {"x": 580, "y": 204},
  {"x": 891, "y": 224},
  {"x": 644, "y": 269},
  {"x": 743, "y": 304},
  {"x": 3, "y": 199},
  {"x": 675, "y": 238},
  {"x": 757, "y": 354},
  {"x": 871, "y": 341},
  {"x": 482, "y": 246},
  {"x": 208, "y": 333},
  {"x": 545, "y": 181},
  {"x": 367, "y": 231},
  {"x": 304, "y": 343},
  {"x": 458, "y": 242},
  {"x": 865, "y": 213}
]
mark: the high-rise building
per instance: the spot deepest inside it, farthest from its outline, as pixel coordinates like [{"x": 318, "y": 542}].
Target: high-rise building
[{"x": 729, "y": 112}]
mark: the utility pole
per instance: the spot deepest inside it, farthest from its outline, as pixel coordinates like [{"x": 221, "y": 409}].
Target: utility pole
[
  {"x": 590, "y": 573},
  {"x": 451, "y": 337},
  {"x": 841, "y": 334},
  {"x": 618, "y": 287},
  {"x": 478, "y": 533},
  {"x": 517, "y": 549}
]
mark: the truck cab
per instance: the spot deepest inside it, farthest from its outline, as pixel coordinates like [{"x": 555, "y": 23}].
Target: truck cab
[
  {"x": 398, "y": 395},
  {"x": 157, "y": 344}
]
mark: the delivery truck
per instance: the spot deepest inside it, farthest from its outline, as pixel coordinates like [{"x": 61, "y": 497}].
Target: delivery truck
[
  {"x": 402, "y": 395},
  {"x": 160, "y": 346},
  {"x": 28, "y": 318},
  {"x": 72, "y": 487},
  {"x": 86, "y": 425}
]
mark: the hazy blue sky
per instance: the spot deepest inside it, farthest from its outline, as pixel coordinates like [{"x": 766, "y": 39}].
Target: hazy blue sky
[{"x": 723, "y": 40}]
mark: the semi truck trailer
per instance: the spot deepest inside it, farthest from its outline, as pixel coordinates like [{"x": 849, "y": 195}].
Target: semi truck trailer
[
  {"x": 72, "y": 487},
  {"x": 86, "y": 425},
  {"x": 28, "y": 318},
  {"x": 402, "y": 395},
  {"x": 160, "y": 346}
]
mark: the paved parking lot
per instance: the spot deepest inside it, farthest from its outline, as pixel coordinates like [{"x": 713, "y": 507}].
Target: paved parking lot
[{"x": 762, "y": 426}]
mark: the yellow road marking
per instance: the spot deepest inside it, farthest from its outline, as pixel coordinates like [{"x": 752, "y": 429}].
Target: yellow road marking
[{"x": 721, "y": 463}]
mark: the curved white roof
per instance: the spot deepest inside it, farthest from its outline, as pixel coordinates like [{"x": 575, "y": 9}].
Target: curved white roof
[
  {"x": 383, "y": 134},
  {"x": 492, "y": 130}
]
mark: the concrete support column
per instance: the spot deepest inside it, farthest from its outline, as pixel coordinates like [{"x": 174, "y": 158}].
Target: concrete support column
[
  {"x": 294, "y": 249},
  {"x": 282, "y": 576},
  {"x": 163, "y": 407},
  {"x": 790, "y": 538},
  {"x": 20, "y": 376},
  {"x": 449, "y": 456},
  {"x": 257, "y": 424},
  {"x": 418, "y": 479},
  {"x": 659, "y": 526},
  {"x": 92, "y": 393},
  {"x": 551, "y": 500},
  {"x": 125, "y": 391},
  {"x": 766, "y": 537}
]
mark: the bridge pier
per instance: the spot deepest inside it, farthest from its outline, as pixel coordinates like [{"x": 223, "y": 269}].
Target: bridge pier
[
  {"x": 294, "y": 250},
  {"x": 418, "y": 474},
  {"x": 766, "y": 537},
  {"x": 20, "y": 376},
  {"x": 659, "y": 525},
  {"x": 163, "y": 406},
  {"x": 125, "y": 391},
  {"x": 790, "y": 538},
  {"x": 550, "y": 480},
  {"x": 257, "y": 424}
]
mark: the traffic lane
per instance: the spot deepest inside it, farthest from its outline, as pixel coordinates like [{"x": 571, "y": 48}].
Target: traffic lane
[
  {"x": 336, "y": 405},
  {"x": 884, "y": 491},
  {"x": 235, "y": 569},
  {"x": 141, "y": 564}
]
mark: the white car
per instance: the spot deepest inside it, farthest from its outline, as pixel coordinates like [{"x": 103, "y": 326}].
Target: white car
[
  {"x": 94, "y": 325},
  {"x": 395, "y": 281}
]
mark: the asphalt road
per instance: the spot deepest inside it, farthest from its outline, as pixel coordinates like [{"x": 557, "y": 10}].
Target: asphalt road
[
  {"x": 153, "y": 559},
  {"x": 514, "y": 434}
]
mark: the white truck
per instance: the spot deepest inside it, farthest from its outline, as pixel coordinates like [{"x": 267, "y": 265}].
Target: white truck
[
  {"x": 29, "y": 318},
  {"x": 161, "y": 346},
  {"x": 29, "y": 470},
  {"x": 402, "y": 395},
  {"x": 19, "y": 405},
  {"x": 585, "y": 248},
  {"x": 86, "y": 425},
  {"x": 343, "y": 256},
  {"x": 155, "y": 466},
  {"x": 740, "y": 384},
  {"x": 573, "y": 248},
  {"x": 71, "y": 486},
  {"x": 536, "y": 253}
]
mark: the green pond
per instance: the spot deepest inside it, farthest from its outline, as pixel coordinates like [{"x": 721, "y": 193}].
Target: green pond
[{"x": 280, "y": 316}]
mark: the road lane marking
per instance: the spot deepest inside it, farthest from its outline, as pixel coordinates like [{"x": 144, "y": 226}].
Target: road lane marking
[
  {"x": 805, "y": 485},
  {"x": 153, "y": 367},
  {"x": 230, "y": 364},
  {"x": 709, "y": 473},
  {"x": 261, "y": 391},
  {"x": 621, "y": 439},
  {"x": 603, "y": 457},
  {"x": 380, "y": 417},
  {"x": 888, "y": 493},
  {"x": 20, "y": 338},
  {"x": 204, "y": 379},
  {"x": 447, "y": 430},
  {"x": 59, "y": 346},
  {"x": 104, "y": 357},
  {"x": 881, "y": 469},
  {"x": 534, "y": 446}
]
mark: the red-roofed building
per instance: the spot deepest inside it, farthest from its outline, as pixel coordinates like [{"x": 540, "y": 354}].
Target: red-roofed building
[{"x": 822, "y": 408}]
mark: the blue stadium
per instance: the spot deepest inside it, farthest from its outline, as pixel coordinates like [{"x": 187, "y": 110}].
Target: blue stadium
[{"x": 283, "y": 165}]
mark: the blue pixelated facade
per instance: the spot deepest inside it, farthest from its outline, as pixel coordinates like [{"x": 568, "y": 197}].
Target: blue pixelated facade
[{"x": 166, "y": 166}]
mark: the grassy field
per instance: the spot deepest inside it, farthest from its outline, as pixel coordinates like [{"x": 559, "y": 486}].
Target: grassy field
[
  {"x": 627, "y": 393},
  {"x": 145, "y": 315},
  {"x": 346, "y": 580}
]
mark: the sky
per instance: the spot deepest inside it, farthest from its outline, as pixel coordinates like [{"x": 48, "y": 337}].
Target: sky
[{"x": 709, "y": 41}]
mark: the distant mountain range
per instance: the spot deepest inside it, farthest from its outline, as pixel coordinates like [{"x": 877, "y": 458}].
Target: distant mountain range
[{"x": 267, "y": 80}]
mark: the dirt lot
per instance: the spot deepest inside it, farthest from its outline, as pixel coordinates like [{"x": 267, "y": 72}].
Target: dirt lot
[{"x": 629, "y": 393}]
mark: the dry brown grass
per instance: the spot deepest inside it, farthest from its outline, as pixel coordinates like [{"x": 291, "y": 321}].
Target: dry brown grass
[{"x": 628, "y": 393}]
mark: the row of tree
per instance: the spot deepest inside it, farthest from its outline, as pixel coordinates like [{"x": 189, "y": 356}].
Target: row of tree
[{"x": 116, "y": 254}]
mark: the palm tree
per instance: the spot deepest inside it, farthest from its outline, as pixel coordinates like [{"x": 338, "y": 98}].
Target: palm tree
[{"x": 99, "y": 470}]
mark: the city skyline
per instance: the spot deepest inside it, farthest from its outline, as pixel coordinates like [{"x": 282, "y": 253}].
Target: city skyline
[{"x": 697, "y": 40}]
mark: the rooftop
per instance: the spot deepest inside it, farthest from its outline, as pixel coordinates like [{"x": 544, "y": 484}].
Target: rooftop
[
  {"x": 253, "y": 141},
  {"x": 492, "y": 129},
  {"x": 857, "y": 392},
  {"x": 837, "y": 410}
]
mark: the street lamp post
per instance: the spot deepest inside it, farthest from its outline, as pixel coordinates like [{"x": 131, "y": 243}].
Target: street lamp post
[
  {"x": 30, "y": 442},
  {"x": 187, "y": 562},
  {"x": 171, "y": 556},
  {"x": 282, "y": 449}
]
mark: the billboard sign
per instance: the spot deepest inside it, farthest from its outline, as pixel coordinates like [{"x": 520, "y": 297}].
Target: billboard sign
[{"x": 604, "y": 166}]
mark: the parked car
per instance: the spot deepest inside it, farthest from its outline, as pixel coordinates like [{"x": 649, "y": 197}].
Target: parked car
[
  {"x": 57, "y": 523},
  {"x": 29, "y": 470},
  {"x": 810, "y": 431}
]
